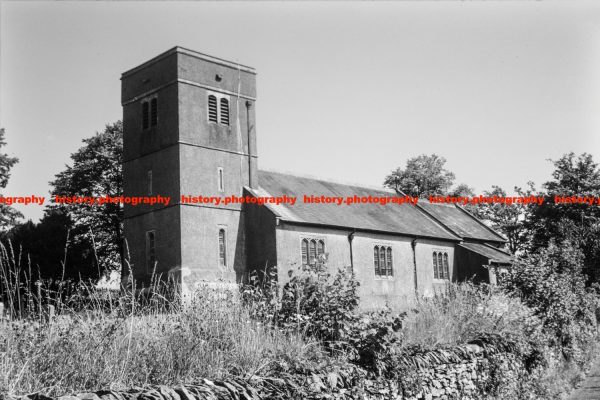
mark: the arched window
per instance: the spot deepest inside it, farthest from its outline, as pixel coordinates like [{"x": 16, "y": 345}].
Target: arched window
[
  {"x": 154, "y": 112},
  {"x": 212, "y": 108},
  {"x": 436, "y": 274},
  {"x": 390, "y": 271},
  {"x": 304, "y": 251},
  {"x": 220, "y": 180},
  {"x": 224, "y": 111},
  {"x": 320, "y": 248},
  {"x": 376, "y": 260},
  {"x": 145, "y": 115},
  {"x": 150, "y": 250},
  {"x": 382, "y": 260},
  {"x": 446, "y": 267},
  {"x": 222, "y": 248},
  {"x": 312, "y": 252},
  {"x": 440, "y": 266}
]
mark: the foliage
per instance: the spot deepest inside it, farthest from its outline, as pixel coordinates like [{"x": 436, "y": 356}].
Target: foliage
[
  {"x": 96, "y": 172},
  {"x": 578, "y": 223},
  {"x": 508, "y": 219},
  {"x": 102, "y": 340},
  {"x": 47, "y": 247},
  {"x": 424, "y": 175},
  {"x": 550, "y": 281},
  {"x": 314, "y": 302},
  {"x": 8, "y": 215},
  {"x": 319, "y": 303}
]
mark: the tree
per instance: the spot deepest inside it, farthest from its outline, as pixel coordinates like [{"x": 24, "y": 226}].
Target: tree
[
  {"x": 8, "y": 215},
  {"x": 96, "y": 172},
  {"x": 578, "y": 223},
  {"x": 509, "y": 220},
  {"x": 48, "y": 252},
  {"x": 425, "y": 175}
]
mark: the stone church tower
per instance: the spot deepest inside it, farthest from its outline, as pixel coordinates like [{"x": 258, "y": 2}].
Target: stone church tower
[{"x": 189, "y": 130}]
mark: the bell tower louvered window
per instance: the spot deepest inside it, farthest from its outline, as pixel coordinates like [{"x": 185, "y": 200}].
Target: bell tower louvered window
[
  {"x": 382, "y": 260},
  {"x": 154, "y": 112},
  {"x": 224, "y": 111},
  {"x": 145, "y": 115},
  {"x": 222, "y": 248},
  {"x": 212, "y": 108}
]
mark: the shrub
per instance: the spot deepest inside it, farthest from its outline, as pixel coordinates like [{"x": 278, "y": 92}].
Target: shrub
[
  {"x": 314, "y": 302},
  {"x": 551, "y": 282}
]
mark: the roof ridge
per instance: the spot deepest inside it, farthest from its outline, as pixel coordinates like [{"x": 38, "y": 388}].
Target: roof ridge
[{"x": 336, "y": 181}]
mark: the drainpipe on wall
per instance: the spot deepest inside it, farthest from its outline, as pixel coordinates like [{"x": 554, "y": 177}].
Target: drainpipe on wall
[
  {"x": 350, "y": 238},
  {"x": 248, "y": 128},
  {"x": 413, "y": 244}
]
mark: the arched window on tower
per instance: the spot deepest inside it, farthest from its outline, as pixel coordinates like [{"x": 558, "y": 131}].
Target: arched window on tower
[
  {"x": 145, "y": 115},
  {"x": 222, "y": 248},
  {"x": 154, "y": 112},
  {"x": 224, "y": 111},
  {"x": 212, "y": 108}
]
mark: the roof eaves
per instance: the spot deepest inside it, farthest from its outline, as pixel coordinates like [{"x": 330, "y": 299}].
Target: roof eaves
[{"x": 393, "y": 233}]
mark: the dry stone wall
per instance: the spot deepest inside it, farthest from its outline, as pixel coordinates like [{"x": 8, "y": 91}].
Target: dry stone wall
[{"x": 465, "y": 372}]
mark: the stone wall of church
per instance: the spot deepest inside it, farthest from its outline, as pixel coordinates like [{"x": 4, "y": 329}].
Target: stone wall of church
[{"x": 374, "y": 291}]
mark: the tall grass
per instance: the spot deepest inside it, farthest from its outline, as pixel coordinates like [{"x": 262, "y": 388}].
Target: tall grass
[
  {"x": 462, "y": 312},
  {"x": 97, "y": 339}
]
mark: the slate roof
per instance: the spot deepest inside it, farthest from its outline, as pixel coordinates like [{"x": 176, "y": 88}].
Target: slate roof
[
  {"x": 493, "y": 254},
  {"x": 393, "y": 218},
  {"x": 460, "y": 221}
]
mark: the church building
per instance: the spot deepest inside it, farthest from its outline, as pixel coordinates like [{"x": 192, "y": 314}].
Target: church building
[{"x": 190, "y": 130}]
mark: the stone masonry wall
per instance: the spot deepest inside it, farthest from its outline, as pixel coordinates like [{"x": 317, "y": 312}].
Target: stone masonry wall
[{"x": 464, "y": 372}]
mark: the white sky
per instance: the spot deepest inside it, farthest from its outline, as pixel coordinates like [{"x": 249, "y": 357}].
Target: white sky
[{"x": 346, "y": 91}]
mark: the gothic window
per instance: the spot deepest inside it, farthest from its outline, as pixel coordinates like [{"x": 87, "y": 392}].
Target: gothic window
[
  {"x": 376, "y": 260},
  {"x": 382, "y": 260},
  {"x": 441, "y": 268},
  {"x": 312, "y": 250},
  {"x": 446, "y": 267},
  {"x": 390, "y": 270},
  {"x": 150, "y": 250},
  {"x": 222, "y": 248},
  {"x": 304, "y": 251},
  {"x": 212, "y": 108},
  {"x": 224, "y": 111}
]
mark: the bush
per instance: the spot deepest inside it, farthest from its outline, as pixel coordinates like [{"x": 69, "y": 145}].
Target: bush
[
  {"x": 551, "y": 282},
  {"x": 314, "y": 302}
]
